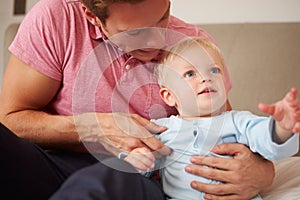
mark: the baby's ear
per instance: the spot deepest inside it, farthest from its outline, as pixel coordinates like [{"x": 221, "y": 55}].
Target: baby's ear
[{"x": 167, "y": 96}]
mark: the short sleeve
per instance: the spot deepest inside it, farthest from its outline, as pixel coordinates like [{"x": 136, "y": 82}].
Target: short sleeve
[{"x": 41, "y": 39}]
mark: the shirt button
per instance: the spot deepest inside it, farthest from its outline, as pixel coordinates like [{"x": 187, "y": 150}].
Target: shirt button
[
  {"x": 195, "y": 132},
  {"x": 127, "y": 67}
]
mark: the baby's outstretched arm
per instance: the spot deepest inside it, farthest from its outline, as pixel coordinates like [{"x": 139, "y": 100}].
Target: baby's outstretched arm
[
  {"x": 286, "y": 114},
  {"x": 141, "y": 158}
]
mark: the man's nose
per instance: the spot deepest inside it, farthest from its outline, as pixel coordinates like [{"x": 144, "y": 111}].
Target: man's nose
[{"x": 155, "y": 38}]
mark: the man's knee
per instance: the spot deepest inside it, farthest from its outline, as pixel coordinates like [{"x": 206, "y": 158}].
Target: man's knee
[{"x": 109, "y": 179}]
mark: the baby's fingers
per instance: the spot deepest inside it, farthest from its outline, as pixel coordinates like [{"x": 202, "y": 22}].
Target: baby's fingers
[
  {"x": 139, "y": 163},
  {"x": 142, "y": 159},
  {"x": 296, "y": 128},
  {"x": 268, "y": 109},
  {"x": 297, "y": 116},
  {"x": 291, "y": 95},
  {"x": 294, "y": 92}
]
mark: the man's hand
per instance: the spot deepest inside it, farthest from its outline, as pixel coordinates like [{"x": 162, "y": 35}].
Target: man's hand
[
  {"x": 119, "y": 132},
  {"x": 243, "y": 176}
]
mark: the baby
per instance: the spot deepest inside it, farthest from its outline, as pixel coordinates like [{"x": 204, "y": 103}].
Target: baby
[{"x": 191, "y": 76}]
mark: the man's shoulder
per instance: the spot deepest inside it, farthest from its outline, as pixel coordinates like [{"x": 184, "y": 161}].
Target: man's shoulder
[
  {"x": 56, "y": 7},
  {"x": 177, "y": 22},
  {"x": 179, "y": 25}
]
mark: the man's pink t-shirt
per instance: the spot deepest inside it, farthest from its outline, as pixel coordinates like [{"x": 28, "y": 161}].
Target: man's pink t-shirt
[{"x": 56, "y": 39}]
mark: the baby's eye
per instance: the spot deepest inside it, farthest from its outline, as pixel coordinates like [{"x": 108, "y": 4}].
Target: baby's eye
[
  {"x": 189, "y": 74},
  {"x": 215, "y": 70}
]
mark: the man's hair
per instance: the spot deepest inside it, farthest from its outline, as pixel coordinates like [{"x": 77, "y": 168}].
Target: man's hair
[
  {"x": 177, "y": 49},
  {"x": 100, "y": 7}
]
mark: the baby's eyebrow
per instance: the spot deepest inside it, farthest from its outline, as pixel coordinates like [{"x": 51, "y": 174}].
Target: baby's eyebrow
[{"x": 186, "y": 67}]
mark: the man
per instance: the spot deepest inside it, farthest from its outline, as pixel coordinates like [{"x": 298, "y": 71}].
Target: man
[{"x": 70, "y": 81}]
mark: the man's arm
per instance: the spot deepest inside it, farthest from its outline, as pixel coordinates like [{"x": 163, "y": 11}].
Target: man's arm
[{"x": 25, "y": 92}]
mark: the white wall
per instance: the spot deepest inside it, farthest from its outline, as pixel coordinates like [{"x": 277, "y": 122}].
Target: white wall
[{"x": 234, "y": 11}]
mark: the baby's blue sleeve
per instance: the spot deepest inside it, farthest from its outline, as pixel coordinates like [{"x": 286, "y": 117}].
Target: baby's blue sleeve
[{"x": 258, "y": 133}]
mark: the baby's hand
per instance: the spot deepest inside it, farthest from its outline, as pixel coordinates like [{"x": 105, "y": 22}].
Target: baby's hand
[
  {"x": 286, "y": 112},
  {"x": 141, "y": 158}
]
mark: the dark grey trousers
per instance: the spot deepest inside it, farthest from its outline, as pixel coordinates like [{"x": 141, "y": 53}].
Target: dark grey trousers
[{"x": 29, "y": 172}]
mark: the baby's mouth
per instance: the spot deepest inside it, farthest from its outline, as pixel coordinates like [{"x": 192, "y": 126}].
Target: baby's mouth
[{"x": 207, "y": 91}]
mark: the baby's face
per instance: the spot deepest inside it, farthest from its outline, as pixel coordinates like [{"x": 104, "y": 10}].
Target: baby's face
[{"x": 196, "y": 81}]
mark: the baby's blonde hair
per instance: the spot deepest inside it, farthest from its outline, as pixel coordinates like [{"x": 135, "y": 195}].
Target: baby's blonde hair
[{"x": 178, "y": 48}]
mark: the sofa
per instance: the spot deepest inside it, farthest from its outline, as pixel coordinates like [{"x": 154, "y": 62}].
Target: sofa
[
  {"x": 264, "y": 63},
  {"x": 263, "y": 60}
]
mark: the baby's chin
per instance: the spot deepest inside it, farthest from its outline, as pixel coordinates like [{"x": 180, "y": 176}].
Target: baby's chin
[
  {"x": 208, "y": 113},
  {"x": 193, "y": 117}
]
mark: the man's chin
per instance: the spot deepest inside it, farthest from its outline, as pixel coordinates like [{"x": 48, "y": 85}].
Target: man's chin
[{"x": 144, "y": 55}]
